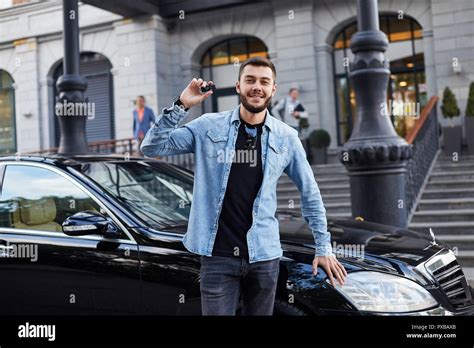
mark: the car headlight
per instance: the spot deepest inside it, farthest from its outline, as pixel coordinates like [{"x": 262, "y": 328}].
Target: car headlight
[{"x": 381, "y": 292}]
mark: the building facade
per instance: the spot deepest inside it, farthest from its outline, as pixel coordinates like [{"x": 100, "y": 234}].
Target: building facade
[{"x": 431, "y": 47}]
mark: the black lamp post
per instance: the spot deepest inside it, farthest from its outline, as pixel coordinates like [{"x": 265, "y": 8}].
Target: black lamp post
[
  {"x": 375, "y": 156},
  {"x": 71, "y": 87}
]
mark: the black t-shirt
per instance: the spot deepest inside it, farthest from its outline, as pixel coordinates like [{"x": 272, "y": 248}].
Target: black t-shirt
[{"x": 245, "y": 180}]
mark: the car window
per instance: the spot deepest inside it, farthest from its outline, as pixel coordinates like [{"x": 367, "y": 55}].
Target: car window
[
  {"x": 35, "y": 198},
  {"x": 153, "y": 192}
]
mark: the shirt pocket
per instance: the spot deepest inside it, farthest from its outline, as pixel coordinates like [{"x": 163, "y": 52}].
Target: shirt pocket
[
  {"x": 277, "y": 155},
  {"x": 215, "y": 144}
]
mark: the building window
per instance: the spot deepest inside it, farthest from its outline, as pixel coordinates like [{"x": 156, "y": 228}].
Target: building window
[
  {"x": 407, "y": 79},
  {"x": 7, "y": 114},
  {"x": 220, "y": 65}
]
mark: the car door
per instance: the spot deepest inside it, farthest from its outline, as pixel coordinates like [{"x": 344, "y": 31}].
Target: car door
[
  {"x": 155, "y": 192},
  {"x": 43, "y": 270},
  {"x": 170, "y": 276}
]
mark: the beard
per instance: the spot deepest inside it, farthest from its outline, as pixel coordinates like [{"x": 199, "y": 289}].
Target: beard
[{"x": 250, "y": 107}]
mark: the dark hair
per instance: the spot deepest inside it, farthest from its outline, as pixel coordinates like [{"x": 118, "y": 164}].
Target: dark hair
[
  {"x": 292, "y": 89},
  {"x": 140, "y": 96},
  {"x": 258, "y": 61}
]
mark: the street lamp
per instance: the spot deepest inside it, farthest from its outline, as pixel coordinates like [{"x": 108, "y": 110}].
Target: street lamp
[
  {"x": 71, "y": 87},
  {"x": 375, "y": 156}
]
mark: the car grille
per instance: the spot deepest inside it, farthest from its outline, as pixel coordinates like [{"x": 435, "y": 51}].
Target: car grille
[{"x": 446, "y": 271}]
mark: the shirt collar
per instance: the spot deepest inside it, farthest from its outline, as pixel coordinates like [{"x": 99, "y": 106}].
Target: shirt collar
[{"x": 236, "y": 118}]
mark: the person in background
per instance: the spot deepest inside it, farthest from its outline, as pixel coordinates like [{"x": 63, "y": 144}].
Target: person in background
[
  {"x": 290, "y": 109},
  {"x": 143, "y": 119}
]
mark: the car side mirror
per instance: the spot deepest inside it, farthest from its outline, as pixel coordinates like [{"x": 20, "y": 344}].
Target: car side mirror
[{"x": 90, "y": 222}]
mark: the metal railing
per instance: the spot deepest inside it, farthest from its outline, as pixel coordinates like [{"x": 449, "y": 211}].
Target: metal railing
[
  {"x": 118, "y": 146},
  {"x": 123, "y": 147},
  {"x": 424, "y": 138},
  {"x": 113, "y": 146}
]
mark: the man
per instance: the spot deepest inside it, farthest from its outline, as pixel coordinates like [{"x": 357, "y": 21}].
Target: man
[
  {"x": 143, "y": 118},
  {"x": 290, "y": 109},
  {"x": 239, "y": 156}
]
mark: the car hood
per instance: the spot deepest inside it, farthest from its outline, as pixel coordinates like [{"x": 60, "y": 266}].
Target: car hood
[{"x": 360, "y": 245}]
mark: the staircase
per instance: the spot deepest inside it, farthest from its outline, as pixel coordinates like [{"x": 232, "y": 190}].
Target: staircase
[
  {"x": 333, "y": 183},
  {"x": 447, "y": 206}
]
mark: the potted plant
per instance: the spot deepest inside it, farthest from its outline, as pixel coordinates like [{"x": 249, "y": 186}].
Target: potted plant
[
  {"x": 452, "y": 134},
  {"x": 304, "y": 123},
  {"x": 319, "y": 141},
  {"x": 469, "y": 120}
]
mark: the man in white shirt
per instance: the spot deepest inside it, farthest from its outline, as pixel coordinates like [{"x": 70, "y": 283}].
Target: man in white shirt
[{"x": 289, "y": 109}]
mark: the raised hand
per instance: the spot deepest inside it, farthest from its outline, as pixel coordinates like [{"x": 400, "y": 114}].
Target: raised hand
[{"x": 192, "y": 94}]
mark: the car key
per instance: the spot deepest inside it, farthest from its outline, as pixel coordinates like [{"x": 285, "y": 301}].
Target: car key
[{"x": 208, "y": 88}]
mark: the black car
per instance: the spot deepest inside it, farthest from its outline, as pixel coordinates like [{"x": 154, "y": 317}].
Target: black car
[{"x": 102, "y": 235}]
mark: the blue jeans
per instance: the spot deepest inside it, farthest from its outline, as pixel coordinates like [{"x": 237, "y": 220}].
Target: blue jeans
[{"x": 227, "y": 280}]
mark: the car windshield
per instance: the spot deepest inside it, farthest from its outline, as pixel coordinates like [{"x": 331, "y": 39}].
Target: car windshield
[{"x": 157, "y": 193}]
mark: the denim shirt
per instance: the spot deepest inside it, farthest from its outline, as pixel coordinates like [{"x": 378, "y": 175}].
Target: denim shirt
[{"x": 212, "y": 137}]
